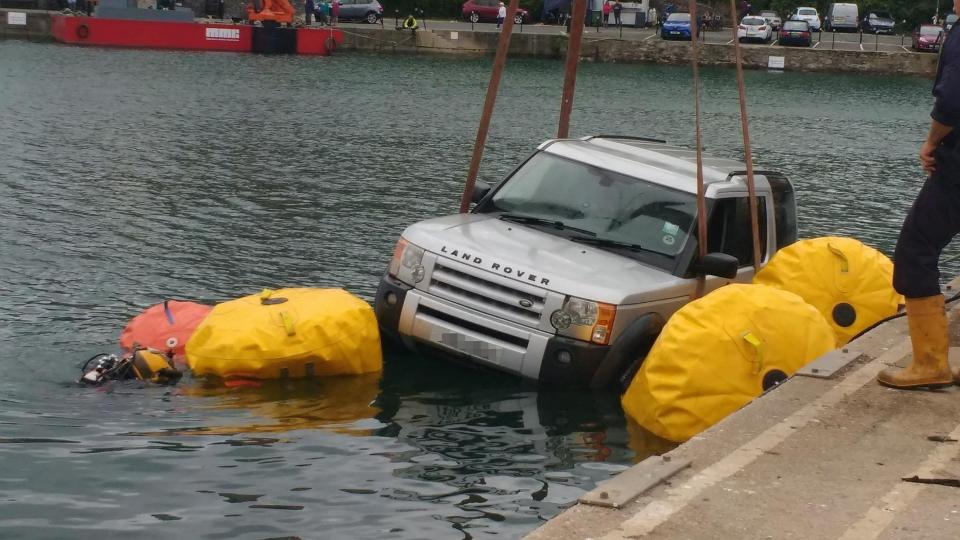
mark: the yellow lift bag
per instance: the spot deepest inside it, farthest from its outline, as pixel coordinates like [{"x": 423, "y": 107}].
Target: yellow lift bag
[
  {"x": 850, "y": 283},
  {"x": 287, "y": 333},
  {"x": 718, "y": 353}
]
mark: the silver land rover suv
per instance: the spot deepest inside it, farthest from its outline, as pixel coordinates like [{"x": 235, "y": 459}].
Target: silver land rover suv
[{"x": 566, "y": 271}]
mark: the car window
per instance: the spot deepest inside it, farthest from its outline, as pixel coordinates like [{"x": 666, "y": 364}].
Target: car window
[
  {"x": 796, "y": 25},
  {"x": 768, "y": 14},
  {"x": 730, "y": 231},
  {"x": 930, "y": 30},
  {"x": 806, "y": 11},
  {"x": 753, "y": 21},
  {"x": 605, "y": 204},
  {"x": 679, "y": 17},
  {"x": 952, "y": 18}
]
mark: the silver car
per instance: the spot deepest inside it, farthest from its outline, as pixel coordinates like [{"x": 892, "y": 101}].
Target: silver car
[
  {"x": 772, "y": 19},
  {"x": 566, "y": 271},
  {"x": 361, "y": 10}
]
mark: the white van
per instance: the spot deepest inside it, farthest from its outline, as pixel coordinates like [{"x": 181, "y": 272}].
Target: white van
[{"x": 842, "y": 17}]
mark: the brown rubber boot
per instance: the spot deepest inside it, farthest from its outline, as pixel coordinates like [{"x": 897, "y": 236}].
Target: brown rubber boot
[{"x": 929, "y": 367}]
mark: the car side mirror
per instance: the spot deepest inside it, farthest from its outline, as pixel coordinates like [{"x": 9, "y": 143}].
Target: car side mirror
[
  {"x": 480, "y": 191},
  {"x": 719, "y": 264}
]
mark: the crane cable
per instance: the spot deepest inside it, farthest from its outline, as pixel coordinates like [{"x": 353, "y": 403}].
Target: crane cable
[
  {"x": 701, "y": 203},
  {"x": 747, "y": 153}
]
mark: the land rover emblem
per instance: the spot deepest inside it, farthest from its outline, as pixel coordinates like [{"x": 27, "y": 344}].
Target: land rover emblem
[{"x": 526, "y": 303}]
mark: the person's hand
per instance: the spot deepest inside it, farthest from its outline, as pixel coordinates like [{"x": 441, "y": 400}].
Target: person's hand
[{"x": 927, "y": 160}]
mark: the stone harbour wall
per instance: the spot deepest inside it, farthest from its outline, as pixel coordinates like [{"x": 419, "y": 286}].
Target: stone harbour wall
[{"x": 390, "y": 40}]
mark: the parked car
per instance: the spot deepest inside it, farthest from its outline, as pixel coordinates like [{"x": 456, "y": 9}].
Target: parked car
[
  {"x": 842, "y": 17},
  {"x": 753, "y": 28},
  {"x": 486, "y": 11},
  {"x": 808, "y": 14},
  {"x": 877, "y": 22},
  {"x": 677, "y": 26},
  {"x": 795, "y": 33},
  {"x": 949, "y": 21},
  {"x": 361, "y": 10},
  {"x": 772, "y": 19},
  {"x": 927, "y": 37}
]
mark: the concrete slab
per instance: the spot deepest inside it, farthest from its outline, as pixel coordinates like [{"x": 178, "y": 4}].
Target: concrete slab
[
  {"x": 623, "y": 488},
  {"x": 815, "y": 458}
]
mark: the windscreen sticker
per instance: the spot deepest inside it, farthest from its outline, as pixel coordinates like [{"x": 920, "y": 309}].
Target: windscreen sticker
[{"x": 670, "y": 228}]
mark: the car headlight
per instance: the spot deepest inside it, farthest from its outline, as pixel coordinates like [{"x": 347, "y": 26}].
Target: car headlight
[
  {"x": 579, "y": 314},
  {"x": 406, "y": 263}
]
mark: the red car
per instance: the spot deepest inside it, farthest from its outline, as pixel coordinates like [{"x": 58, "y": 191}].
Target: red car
[
  {"x": 486, "y": 11},
  {"x": 795, "y": 32},
  {"x": 927, "y": 37}
]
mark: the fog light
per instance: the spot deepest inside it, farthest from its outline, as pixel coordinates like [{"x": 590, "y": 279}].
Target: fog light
[
  {"x": 560, "y": 319},
  {"x": 564, "y": 357},
  {"x": 391, "y": 299},
  {"x": 418, "y": 273}
]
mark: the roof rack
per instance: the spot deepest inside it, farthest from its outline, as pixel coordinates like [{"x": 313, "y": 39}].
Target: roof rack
[{"x": 628, "y": 137}]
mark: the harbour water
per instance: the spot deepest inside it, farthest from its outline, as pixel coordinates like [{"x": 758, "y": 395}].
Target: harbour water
[{"x": 129, "y": 177}]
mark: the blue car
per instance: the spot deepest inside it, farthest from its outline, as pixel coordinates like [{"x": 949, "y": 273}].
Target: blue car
[{"x": 677, "y": 26}]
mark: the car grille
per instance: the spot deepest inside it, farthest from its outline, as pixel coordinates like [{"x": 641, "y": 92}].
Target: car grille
[{"x": 468, "y": 289}]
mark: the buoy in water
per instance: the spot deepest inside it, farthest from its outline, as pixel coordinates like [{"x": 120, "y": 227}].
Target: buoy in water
[
  {"x": 718, "y": 353},
  {"x": 164, "y": 327},
  {"x": 287, "y": 333},
  {"x": 850, "y": 283}
]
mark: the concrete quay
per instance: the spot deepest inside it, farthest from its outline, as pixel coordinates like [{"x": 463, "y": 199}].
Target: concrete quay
[{"x": 816, "y": 458}]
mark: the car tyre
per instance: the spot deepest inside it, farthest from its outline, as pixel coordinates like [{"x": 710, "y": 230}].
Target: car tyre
[
  {"x": 372, "y": 18},
  {"x": 474, "y": 17},
  {"x": 518, "y": 19}
]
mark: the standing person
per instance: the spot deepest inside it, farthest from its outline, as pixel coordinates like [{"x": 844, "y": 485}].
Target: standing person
[
  {"x": 308, "y": 9},
  {"x": 931, "y": 223},
  {"x": 617, "y": 9},
  {"x": 334, "y": 12},
  {"x": 607, "y": 9},
  {"x": 501, "y": 15}
]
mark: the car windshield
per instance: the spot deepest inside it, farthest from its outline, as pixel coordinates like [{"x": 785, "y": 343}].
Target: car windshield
[
  {"x": 679, "y": 17},
  {"x": 951, "y": 18},
  {"x": 806, "y": 11},
  {"x": 753, "y": 21},
  {"x": 768, "y": 14},
  {"x": 597, "y": 204},
  {"x": 795, "y": 25},
  {"x": 930, "y": 30},
  {"x": 882, "y": 15}
]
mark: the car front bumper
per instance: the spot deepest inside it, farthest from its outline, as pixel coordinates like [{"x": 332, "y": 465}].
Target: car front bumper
[{"x": 417, "y": 319}]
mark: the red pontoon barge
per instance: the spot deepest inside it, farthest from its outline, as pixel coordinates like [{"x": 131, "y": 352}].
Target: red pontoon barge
[{"x": 161, "y": 29}]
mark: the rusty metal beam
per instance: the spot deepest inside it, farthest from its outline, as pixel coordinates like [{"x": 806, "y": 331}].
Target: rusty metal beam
[{"x": 503, "y": 46}]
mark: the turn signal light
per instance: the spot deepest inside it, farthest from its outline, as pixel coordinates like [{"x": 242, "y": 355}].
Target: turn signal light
[{"x": 602, "y": 330}]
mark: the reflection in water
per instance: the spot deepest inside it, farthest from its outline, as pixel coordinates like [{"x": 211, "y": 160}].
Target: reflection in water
[{"x": 336, "y": 404}]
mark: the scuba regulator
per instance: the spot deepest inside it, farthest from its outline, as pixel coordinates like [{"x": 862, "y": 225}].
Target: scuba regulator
[{"x": 143, "y": 364}]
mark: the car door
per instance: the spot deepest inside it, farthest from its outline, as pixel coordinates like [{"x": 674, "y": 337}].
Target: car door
[{"x": 489, "y": 9}]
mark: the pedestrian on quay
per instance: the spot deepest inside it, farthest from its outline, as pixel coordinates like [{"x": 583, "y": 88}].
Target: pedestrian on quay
[
  {"x": 617, "y": 9},
  {"x": 308, "y": 8},
  {"x": 933, "y": 220},
  {"x": 607, "y": 10},
  {"x": 334, "y": 12},
  {"x": 501, "y": 15}
]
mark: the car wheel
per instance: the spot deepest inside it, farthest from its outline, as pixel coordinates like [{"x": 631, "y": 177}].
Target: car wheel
[
  {"x": 518, "y": 19},
  {"x": 372, "y": 18},
  {"x": 474, "y": 17}
]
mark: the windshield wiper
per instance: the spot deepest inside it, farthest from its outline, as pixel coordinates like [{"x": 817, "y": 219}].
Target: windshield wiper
[
  {"x": 606, "y": 242},
  {"x": 534, "y": 220}
]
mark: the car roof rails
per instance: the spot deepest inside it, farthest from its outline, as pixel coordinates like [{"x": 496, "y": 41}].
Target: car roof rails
[{"x": 628, "y": 137}]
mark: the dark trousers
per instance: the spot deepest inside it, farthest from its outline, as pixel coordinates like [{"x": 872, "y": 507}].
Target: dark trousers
[{"x": 933, "y": 220}]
